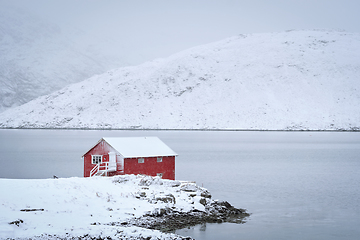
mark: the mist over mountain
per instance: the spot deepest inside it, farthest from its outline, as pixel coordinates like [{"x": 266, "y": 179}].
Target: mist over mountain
[
  {"x": 37, "y": 57},
  {"x": 294, "y": 80}
]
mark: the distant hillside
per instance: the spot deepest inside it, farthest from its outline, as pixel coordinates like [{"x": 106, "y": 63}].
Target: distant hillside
[
  {"x": 305, "y": 80},
  {"x": 38, "y": 58}
]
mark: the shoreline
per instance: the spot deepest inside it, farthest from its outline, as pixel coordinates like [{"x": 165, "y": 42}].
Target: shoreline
[
  {"x": 356, "y": 129},
  {"x": 217, "y": 212},
  {"x": 125, "y": 206}
]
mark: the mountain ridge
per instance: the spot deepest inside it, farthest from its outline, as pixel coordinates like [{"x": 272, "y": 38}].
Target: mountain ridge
[{"x": 294, "y": 80}]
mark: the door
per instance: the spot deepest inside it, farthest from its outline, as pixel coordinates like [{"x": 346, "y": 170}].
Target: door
[{"x": 112, "y": 162}]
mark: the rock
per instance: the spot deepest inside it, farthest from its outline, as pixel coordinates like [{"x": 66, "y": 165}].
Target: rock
[
  {"x": 17, "y": 222},
  {"x": 175, "y": 183},
  {"x": 168, "y": 198},
  {"x": 146, "y": 181},
  {"x": 203, "y": 201},
  {"x": 167, "y": 220},
  {"x": 171, "y": 183},
  {"x": 31, "y": 209},
  {"x": 205, "y": 194},
  {"x": 120, "y": 179},
  {"x": 192, "y": 194},
  {"x": 189, "y": 187},
  {"x": 226, "y": 204}
]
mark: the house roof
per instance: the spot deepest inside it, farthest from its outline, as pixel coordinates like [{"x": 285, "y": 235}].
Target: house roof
[{"x": 139, "y": 146}]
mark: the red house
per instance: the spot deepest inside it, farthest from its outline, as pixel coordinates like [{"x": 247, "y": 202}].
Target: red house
[{"x": 135, "y": 155}]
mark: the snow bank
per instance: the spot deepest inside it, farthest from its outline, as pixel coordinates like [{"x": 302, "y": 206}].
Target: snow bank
[{"x": 67, "y": 207}]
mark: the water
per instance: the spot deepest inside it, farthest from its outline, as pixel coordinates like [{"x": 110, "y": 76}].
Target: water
[{"x": 297, "y": 185}]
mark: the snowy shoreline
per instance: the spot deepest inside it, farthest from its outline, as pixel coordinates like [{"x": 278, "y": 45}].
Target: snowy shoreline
[
  {"x": 189, "y": 129},
  {"x": 130, "y": 207}
]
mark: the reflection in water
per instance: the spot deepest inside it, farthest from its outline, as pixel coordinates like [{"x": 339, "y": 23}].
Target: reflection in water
[{"x": 203, "y": 227}]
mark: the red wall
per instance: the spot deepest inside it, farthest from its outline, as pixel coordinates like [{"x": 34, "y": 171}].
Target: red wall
[
  {"x": 131, "y": 166},
  {"x": 102, "y": 148},
  {"x": 151, "y": 167}
]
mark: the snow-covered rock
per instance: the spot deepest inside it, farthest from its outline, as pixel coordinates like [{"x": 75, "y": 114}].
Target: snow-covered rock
[
  {"x": 294, "y": 80},
  {"x": 92, "y": 207}
]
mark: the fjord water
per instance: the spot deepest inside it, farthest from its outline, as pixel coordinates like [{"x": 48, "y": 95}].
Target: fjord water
[{"x": 297, "y": 185}]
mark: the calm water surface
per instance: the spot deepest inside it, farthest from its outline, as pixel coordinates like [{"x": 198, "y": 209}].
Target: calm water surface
[{"x": 297, "y": 185}]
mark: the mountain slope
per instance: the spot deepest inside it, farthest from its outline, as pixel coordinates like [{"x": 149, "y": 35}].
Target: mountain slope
[
  {"x": 37, "y": 58},
  {"x": 275, "y": 81}
]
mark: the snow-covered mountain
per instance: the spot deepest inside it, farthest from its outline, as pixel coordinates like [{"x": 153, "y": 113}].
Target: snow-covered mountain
[
  {"x": 306, "y": 80},
  {"x": 38, "y": 58}
]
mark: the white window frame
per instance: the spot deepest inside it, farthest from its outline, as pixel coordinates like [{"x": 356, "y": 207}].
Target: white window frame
[
  {"x": 159, "y": 175},
  {"x": 141, "y": 160},
  {"x": 159, "y": 159},
  {"x": 95, "y": 159}
]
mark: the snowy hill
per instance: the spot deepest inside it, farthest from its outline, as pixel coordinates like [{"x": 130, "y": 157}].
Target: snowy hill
[
  {"x": 275, "y": 81},
  {"x": 38, "y": 58}
]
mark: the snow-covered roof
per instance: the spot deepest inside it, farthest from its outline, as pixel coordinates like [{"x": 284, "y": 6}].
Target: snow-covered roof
[{"x": 139, "y": 146}]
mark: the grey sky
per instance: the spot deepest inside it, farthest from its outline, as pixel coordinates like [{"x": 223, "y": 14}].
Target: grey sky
[{"x": 148, "y": 29}]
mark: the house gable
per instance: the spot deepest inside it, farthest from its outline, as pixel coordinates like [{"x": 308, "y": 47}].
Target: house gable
[{"x": 102, "y": 149}]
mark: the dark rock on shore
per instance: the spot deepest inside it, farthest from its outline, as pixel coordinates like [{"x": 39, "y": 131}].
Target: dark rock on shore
[
  {"x": 168, "y": 220},
  {"x": 17, "y": 222},
  {"x": 117, "y": 236}
]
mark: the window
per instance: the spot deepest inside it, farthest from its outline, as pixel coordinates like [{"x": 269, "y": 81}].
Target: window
[
  {"x": 159, "y": 159},
  {"x": 96, "y": 159},
  {"x": 159, "y": 175},
  {"x": 140, "y": 160}
]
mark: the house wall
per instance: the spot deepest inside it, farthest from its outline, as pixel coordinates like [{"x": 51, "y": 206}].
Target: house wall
[
  {"x": 102, "y": 148},
  {"x": 130, "y": 165},
  {"x": 151, "y": 167}
]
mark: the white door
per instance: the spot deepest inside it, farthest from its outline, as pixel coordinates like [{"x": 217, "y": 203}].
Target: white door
[{"x": 112, "y": 162}]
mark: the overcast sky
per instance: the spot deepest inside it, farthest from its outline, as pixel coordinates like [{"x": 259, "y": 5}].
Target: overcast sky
[{"x": 149, "y": 29}]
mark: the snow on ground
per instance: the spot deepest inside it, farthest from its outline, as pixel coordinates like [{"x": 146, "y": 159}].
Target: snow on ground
[
  {"x": 294, "y": 80},
  {"x": 81, "y": 206}
]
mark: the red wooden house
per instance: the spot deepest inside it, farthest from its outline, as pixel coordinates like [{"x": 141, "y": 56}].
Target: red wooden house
[{"x": 135, "y": 155}]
